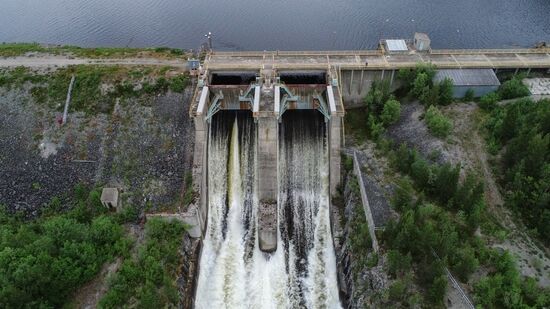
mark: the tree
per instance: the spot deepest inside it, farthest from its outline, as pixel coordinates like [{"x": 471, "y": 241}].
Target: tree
[
  {"x": 446, "y": 182},
  {"x": 438, "y": 124},
  {"x": 421, "y": 173},
  {"x": 398, "y": 264},
  {"x": 391, "y": 112},
  {"x": 430, "y": 96},
  {"x": 489, "y": 101},
  {"x": 446, "y": 91},
  {"x": 513, "y": 88},
  {"x": 464, "y": 263},
  {"x": 469, "y": 95},
  {"x": 421, "y": 82}
]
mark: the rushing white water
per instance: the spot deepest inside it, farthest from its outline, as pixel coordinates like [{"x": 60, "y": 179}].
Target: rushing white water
[{"x": 234, "y": 273}]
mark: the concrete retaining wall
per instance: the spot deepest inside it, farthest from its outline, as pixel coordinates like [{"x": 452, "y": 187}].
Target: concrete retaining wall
[{"x": 365, "y": 201}]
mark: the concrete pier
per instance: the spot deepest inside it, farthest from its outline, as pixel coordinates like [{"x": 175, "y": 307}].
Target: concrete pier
[
  {"x": 268, "y": 140},
  {"x": 268, "y": 97}
]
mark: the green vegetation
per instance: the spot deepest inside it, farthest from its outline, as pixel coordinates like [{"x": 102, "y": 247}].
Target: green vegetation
[
  {"x": 189, "y": 194},
  {"x": 522, "y": 131},
  {"x": 19, "y": 49},
  {"x": 87, "y": 94},
  {"x": 147, "y": 280},
  {"x": 42, "y": 262},
  {"x": 469, "y": 96},
  {"x": 513, "y": 88},
  {"x": 359, "y": 237},
  {"x": 439, "y": 215},
  {"x": 382, "y": 108},
  {"x": 418, "y": 83},
  {"x": 437, "y": 123},
  {"x": 489, "y": 101}
]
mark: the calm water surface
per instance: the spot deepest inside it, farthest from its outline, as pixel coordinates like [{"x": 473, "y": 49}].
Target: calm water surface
[{"x": 275, "y": 24}]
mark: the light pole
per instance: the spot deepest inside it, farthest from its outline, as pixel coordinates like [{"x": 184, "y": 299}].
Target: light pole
[{"x": 209, "y": 37}]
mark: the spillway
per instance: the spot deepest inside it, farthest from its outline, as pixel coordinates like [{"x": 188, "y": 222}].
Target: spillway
[{"x": 234, "y": 273}]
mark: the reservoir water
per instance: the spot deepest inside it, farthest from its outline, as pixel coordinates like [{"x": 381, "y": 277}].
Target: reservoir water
[{"x": 275, "y": 24}]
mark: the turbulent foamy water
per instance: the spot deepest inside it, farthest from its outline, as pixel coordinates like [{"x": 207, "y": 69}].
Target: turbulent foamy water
[{"x": 234, "y": 273}]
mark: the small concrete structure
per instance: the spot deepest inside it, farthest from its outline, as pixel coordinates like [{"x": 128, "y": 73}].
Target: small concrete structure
[
  {"x": 480, "y": 81},
  {"x": 110, "y": 198},
  {"x": 421, "y": 41}
]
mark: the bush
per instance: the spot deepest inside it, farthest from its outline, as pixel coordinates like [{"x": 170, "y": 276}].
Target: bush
[
  {"x": 43, "y": 262},
  {"x": 464, "y": 263},
  {"x": 438, "y": 124},
  {"x": 149, "y": 276},
  {"x": 489, "y": 101},
  {"x": 513, "y": 88},
  {"x": 398, "y": 264},
  {"x": 178, "y": 83},
  {"x": 469, "y": 95},
  {"x": 446, "y": 91},
  {"x": 391, "y": 112}
]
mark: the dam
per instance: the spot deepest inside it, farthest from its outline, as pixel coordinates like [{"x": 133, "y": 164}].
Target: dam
[{"x": 269, "y": 129}]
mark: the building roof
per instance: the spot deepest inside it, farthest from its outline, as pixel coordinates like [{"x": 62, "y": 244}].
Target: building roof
[
  {"x": 396, "y": 45},
  {"x": 469, "y": 77},
  {"x": 109, "y": 195},
  {"x": 421, "y": 36}
]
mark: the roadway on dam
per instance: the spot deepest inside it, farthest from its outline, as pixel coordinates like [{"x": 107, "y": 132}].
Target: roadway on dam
[{"x": 377, "y": 60}]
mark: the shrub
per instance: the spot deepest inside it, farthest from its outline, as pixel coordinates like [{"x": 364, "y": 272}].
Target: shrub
[
  {"x": 178, "y": 83},
  {"x": 446, "y": 91},
  {"x": 391, "y": 112},
  {"x": 149, "y": 274},
  {"x": 398, "y": 264},
  {"x": 430, "y": 96},
  {"x": 420, "y": 84},
  {"x": 513, "y": 88},
  {"x": 438, "y": 124},
  {"x": 469, "y": 95},
  {"x": 43, "y": 262},
  {"x": 489, "y": 101}
]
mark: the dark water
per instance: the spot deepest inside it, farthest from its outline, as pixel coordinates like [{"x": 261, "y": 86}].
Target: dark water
[{"x": 275, "y": 24}]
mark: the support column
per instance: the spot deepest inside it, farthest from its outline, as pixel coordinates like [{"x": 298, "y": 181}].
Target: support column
[
  {"x": 361, "y": 83},
  {"x": 335, "y": 138},
  {"x": 351, "y": 82},
  {"x": 268, "y": 142},
  {"x": 392, "y": 75},
  {"x": 383, "y": 72}
]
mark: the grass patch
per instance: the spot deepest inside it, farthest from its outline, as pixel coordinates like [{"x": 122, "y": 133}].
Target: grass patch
[
  {"x": 19, "y": 49},
  {"x": 87, "y": 96}
]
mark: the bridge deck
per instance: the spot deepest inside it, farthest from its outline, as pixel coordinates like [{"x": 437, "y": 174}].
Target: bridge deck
[{"x": 467, "y": 58}]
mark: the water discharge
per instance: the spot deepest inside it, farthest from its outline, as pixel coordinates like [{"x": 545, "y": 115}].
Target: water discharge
[{"x": 234, "y": 273}]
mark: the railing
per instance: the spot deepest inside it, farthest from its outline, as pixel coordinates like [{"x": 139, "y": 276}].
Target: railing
[{"x": 375, "y": 52}]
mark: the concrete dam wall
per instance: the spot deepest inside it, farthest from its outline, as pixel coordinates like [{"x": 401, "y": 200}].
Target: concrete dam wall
[{"x": 267, "y": 159}]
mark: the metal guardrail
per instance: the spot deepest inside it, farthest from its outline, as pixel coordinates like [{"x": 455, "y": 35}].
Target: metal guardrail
[
  {"x": 468, "y": 302},
  {"x": 376, "y": 52},
  {"x": 490, "y": 51}
]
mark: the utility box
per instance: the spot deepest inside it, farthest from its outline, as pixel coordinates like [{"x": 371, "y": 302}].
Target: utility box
[
  {"x": 421, "y": 41},
  {"x": 110, "y": 198}
]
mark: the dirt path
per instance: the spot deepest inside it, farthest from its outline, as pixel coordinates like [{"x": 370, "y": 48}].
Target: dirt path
[
  {"x": 41, "y": 61},
  {"x": 532, "y": 260},
  {"x": 88, "y": 296}
]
